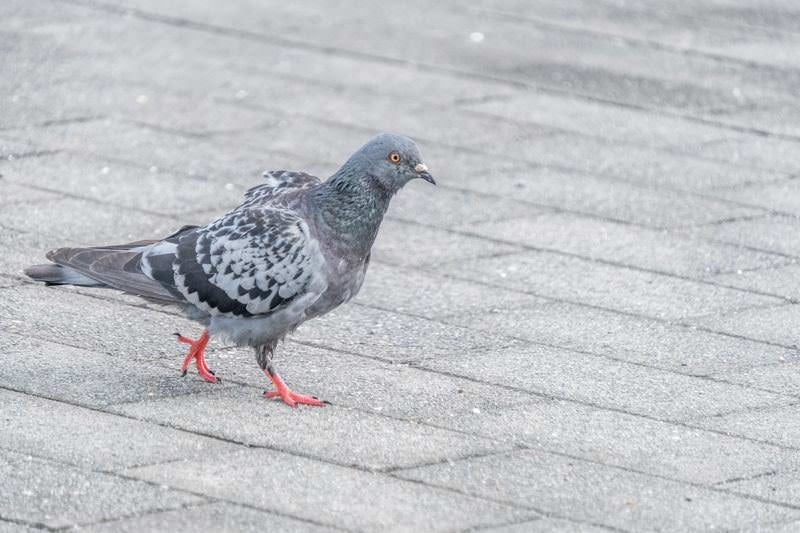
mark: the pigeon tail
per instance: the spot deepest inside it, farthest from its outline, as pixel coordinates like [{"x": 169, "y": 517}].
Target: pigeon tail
[
  {"x": 53, "y": 274},
  {"x": 115, "y": 266}
]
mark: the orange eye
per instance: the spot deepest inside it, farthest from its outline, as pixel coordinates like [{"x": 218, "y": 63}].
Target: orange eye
[{"x": 394, "y": 157}]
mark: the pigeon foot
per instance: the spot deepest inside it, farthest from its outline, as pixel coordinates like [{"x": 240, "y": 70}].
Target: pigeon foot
[
  {"x": 197, "y": 349},
  {"x": 290, "y": 397}
]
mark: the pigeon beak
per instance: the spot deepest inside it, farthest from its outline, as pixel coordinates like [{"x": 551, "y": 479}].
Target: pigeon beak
[{"x": 422, "y": 172}]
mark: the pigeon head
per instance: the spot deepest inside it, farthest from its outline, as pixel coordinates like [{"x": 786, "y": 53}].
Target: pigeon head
[{"x": 391, "y": 160}]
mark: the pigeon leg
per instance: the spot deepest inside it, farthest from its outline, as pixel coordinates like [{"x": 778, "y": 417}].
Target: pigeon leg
[
  {"x": 288, "y": 396},
  {"x": 197, "y": 349}
]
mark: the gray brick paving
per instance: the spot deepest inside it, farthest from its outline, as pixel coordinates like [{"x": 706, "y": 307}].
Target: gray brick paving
[
  {"x": 687, "y": 453},
  {"x": 645, "y": 341},
  {"x": 364, "y": 500},
  {"x": 771, "y": 323},
  {"x": 395, "y": 389},
  {"x": 393, "y": 336},
  {"x": 588, "y": 326},
  {"x": 118, "y": 184},
  {"x": 778, "y": 424},
  {"x": 53, "y": 495},
  {"x": 615, "y": 200},
  {"x": 107, "y": 442},
  {"x": 570, "y": 278},
  {"x": 89, "y": 378},
  {"x": 643, "y": 248},
  {"x": 562, "y": 485},
  {"x": 777, "y": 234},
  {"x": 780, "y": 377},
  {"x": 334, "y": 435},
  {"x": 598, "y": 380},
  {"x": 215, "y": 517},
  {"x": 547, "y": 524},
  {"x": 783, "y": 280},
  {"x": 445, "y": 295}
]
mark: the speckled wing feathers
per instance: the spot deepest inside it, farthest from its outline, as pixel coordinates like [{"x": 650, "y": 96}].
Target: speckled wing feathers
[
  {"x": 249, "y": 262},
  {"x": 255, "y": 260}
]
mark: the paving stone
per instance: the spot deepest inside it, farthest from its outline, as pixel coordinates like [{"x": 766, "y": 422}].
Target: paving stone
[
  {"x": 424, "y": 293},
  {"x": 713, "y": 28},
  {"x": 645, "y": 166},
  {"x": 776, "y": 234},
  {"x": 598, "y": 119},
  {"x": 776, "y": 424},
  {"x": 782, "y": 377},
  {"x": 782, "y": 487},
  {"x": 183, "y": 109},
  {"x": 632, "y": 291},
  {"x": 347, "y": 75},
  {"x": 449, "y": 208},
  {"x": 403, "y": 243},
  {"x": 782, "y": 195},
  {"x": 625, "y": 244},
  {"x": 604, "y": 197},
  {"x": 12, "y": 149},
  {"x": 547, "y": 525},
  {"x": 11, "y": 193},
  {"x": 562, "y": 485},
  {"x": 639, "y": 340},
  {"x": 58, "y": 496},
  {"x": 150, "y": 147},
  {"x": 114, "y": 183},
  {"x": 764, "y": 152},
  {"x": 84, "y": 437},
  {"x": 644, "y": 76},
  {"x": 14, "y": 527},
  {"x": 627, "y": 441},
  {"x": 398, "y": 390},
  {"x": 783, "y": 281},
  {"x": 98, "y": 325},
  {"x": 781, "y": 527},
  {"x": 88, "y": 378},
  {"x": 23, "y": 249},
  {"x": 97, "y": 224},
  {"x": 774, "y": 324},
  {"x": 600, "y": 381},
  {"x": 470, "y": 131},
  {"x": 778, "y": 118},
  {"x": 383, "y": 503},
  {"x": 221, "y": 517},
  {"x": 391, "y": 336},
  {"x": 259, "y": 68},
  {"x": 241, "y": 414}
]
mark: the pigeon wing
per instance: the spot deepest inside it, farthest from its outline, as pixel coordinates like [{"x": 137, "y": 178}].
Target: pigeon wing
[{"x": 252, "y": 261}]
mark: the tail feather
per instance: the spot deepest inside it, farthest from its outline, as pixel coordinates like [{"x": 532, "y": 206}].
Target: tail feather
[
  {"x": 118, "y": 267},
  {"x": 53, "y": 274}
]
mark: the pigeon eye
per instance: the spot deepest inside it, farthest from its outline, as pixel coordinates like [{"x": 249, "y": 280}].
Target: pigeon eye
[{"x": 394, "y": 157}]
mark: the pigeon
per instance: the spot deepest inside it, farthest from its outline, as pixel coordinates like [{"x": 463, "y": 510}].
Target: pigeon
[{"x": 296, "y": 248}]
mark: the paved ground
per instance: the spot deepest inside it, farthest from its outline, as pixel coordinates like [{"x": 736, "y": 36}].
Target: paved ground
[{"x": 590, "y": 325}]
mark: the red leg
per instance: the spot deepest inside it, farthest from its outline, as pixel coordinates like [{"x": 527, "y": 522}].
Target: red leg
[
  {"x": 197, "y": 352},
  {"x": 288, "y": 396}
]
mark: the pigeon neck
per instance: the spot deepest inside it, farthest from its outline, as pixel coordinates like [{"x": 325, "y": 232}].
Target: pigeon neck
[{"x": 352, "y": 206}]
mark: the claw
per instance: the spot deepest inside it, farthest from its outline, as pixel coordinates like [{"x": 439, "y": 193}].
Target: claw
[
  {"x": 197, "y": 352},
  {"x": 290, "y": 397}
]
